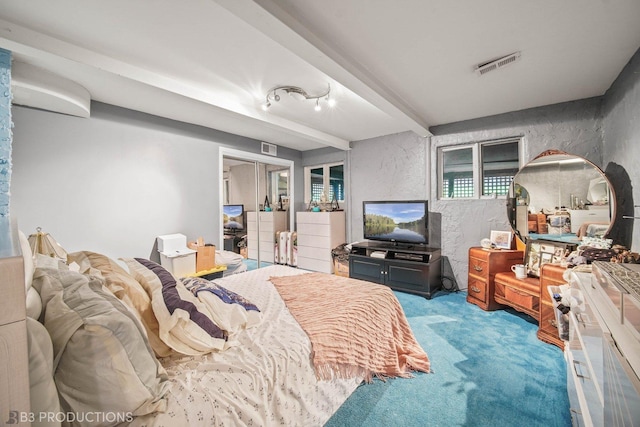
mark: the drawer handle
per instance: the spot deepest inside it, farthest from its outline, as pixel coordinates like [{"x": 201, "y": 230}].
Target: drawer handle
[
  {"x": 475, "y": 289},
  {"x": 575, "y": 368},
  {"x": 553, "y": 323},
  {"x": 477, "y": 268}
]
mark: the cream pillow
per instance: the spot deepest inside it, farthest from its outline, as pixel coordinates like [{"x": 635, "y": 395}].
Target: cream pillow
[
  {"x": 44, "y": 395},
  {"x": 102, "y": 359},
  {"x": 27, "y": 256},
  {"x": 125, "y": 288}
]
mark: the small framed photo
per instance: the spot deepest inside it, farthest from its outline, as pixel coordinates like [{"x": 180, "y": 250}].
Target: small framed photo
[
  {"x": 540, "y": 252},
  {"x": 501, "y": 239}
]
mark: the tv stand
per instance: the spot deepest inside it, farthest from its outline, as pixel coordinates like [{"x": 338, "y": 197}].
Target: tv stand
[{"x": 409, "y": 268}]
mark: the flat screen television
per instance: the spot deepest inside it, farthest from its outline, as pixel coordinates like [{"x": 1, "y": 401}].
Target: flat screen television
[
  {"x": 396, "y": 221},
  {"x": 233, "y": 217}
]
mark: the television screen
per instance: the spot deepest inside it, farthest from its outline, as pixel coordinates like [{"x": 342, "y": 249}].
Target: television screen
[
  {"x": 233, "y": 217},
  {"x": 404, "y": 222}
]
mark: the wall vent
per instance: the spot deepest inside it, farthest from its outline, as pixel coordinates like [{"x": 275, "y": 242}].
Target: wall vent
[
  {"x": 494, "y": 64},
  {"x": 270, "y": 149}
]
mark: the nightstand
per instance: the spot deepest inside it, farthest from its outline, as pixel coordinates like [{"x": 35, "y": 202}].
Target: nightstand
[{"x": 483, "y": 266}]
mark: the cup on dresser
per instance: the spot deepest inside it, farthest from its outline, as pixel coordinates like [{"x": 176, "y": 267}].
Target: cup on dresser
[{"x": 520, "y": 271}]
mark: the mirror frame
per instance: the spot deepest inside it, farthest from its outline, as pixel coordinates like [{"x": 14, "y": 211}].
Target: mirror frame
[{"x": 511, "y": 195}]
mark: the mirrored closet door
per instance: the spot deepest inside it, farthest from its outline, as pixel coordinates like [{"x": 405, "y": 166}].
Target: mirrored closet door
[{"x": 257, "y": 192}]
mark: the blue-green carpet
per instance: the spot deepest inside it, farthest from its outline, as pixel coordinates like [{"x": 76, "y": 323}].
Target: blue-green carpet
[{"x": 489, "y": 369}]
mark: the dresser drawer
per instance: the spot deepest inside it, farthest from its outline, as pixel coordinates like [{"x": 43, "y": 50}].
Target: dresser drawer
[
  {"x": 314, "y": 229},
  {"x": 315, "y": 217},
  {"x": 322, "y": 254},
  {"x": 521, "y": 299},
  {"x": 479, "y": 267},
  {"x": 477, "y": 289},
  {"x": 314, "y": 241}
]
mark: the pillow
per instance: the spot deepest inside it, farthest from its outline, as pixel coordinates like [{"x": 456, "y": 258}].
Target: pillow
[
  {"x": 125, "y": 288},
  {"x": 25, "y": 248},
  {"x": 185, "y": 323},
  {"x": 230, "y": 311},
  {"x": 34, "y": 304},
  {"x": 42, "y": 389},
  {"x": 102, "y": 359}
]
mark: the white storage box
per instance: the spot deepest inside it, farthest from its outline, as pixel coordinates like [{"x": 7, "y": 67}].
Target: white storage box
[
  {"x": 172, "y": 242},
  {"x": 175, "y": 256},
  {"x": 179, "y": 263}
]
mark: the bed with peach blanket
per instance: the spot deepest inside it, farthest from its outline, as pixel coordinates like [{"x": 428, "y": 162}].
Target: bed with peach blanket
[{"x": 240, "y": 350}]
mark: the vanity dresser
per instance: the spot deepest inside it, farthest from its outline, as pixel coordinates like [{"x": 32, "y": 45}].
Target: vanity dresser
[{"x": 484, "y": 264}]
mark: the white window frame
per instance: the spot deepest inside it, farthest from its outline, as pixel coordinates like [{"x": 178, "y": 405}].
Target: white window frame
[
  {"x": 325, "y": 179},
  {"x": 477, "y": 166}
]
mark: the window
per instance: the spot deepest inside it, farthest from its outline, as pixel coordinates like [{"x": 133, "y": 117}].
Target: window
[
  {"x": 327, "y": 179},
  {"x": 483, "y": 168}
]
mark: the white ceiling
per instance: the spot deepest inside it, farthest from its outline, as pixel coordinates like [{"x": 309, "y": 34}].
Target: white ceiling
[{"x": 393, "y": 66}]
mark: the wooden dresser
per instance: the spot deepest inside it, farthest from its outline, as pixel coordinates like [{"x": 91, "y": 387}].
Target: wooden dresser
[
  {"x": 550, "y": 275},
  {"x": 483, "y": 266}
]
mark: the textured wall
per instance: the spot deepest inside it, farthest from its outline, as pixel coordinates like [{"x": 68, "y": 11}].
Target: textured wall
[
  {"x": 5, "y": 131},
  {"x": 392, "y": 167},
  {"x": 573, "y": 127},
  {"x": 402, "y": 167},
  {"x": 621, "y": 130}
]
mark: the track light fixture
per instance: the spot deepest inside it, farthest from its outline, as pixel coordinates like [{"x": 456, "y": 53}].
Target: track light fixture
[{"x": 298, "y": 93}]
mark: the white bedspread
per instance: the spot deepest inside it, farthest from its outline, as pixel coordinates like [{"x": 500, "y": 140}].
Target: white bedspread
[{"x": 268, "y": 379}]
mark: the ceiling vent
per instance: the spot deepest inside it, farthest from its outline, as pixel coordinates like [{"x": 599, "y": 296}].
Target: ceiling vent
[
  {"x": 494, "y": 64},
  {"x": 270, "y": 149}
]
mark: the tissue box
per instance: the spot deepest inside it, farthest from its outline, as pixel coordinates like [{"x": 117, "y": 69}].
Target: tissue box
[{"x": 205, "y": 255}]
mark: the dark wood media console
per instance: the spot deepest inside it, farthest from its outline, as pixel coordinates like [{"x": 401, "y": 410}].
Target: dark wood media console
[{"x": 408, "y": 268}]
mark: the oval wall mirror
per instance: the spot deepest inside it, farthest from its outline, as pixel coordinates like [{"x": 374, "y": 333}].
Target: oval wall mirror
[{"x": 567, "y": 198}]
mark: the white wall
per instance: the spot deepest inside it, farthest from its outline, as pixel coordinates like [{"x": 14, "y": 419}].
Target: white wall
[{"x": 114, "y": 182}]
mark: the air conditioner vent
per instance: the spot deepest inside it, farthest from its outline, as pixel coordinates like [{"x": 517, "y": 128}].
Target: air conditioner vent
[
  {"x": 494, "y": 64},
  {"x": 270, "y": 149}
]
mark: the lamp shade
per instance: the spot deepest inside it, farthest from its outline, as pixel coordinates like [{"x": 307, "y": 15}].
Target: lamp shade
[{"x": 45, "y": 244}]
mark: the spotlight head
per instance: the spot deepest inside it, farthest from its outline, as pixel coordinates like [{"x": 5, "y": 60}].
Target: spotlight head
[
  {"x": 266, "y": 106},
  {"x": 317, "y": 107},
  {"x": 331, "y": 102},
  {"x": 276, "y": 97}
]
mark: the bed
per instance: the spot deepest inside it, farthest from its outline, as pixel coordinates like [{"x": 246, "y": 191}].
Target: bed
[{"x": 112, "y": 360}]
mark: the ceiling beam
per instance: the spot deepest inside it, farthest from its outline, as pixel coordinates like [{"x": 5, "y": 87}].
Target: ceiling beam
[
  {"x": 37, "y": 45},
  {"x": 275, "y": 22}
]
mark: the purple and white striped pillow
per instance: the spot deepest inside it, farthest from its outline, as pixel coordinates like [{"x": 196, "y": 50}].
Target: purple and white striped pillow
[{"x": 185, "y": 323}]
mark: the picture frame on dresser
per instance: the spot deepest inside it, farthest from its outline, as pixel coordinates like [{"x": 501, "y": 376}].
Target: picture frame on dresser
[
  {"x": 501, "y": 239},
  {"x": 540, "y": 252}
]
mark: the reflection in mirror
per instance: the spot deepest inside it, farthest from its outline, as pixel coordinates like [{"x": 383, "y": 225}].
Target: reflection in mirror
[
  {"x": 567, "y": 198},
  {"x": 249, "y": 184}
]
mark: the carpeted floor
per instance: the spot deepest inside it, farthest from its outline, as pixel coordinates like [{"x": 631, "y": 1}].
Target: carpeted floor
[{"x": 489, "y": 370}]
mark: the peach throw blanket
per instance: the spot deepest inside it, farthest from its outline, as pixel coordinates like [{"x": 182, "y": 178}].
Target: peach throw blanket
[{"x": 356, "y": 328}]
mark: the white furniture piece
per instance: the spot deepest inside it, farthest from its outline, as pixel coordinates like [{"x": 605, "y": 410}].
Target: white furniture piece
[
  {"x": 593, "y": 214},
  {"x": 318, "y": 233},
  {"x": 261, "y": 237},
  {"x": 14, "y": 366},
  {"x": 603, "y": 351}
]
